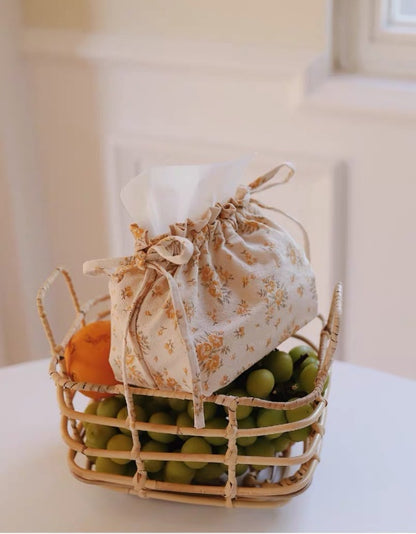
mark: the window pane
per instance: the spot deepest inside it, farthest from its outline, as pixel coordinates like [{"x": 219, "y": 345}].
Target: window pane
[
  {"x": 407, "y": 8},
  {"x": 403, "y": 12}
]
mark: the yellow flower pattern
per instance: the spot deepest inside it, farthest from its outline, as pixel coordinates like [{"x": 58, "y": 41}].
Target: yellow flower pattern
[
  {"x": 240, "y": 332},
  {"x": 126, "y": 292},
  {"x": 169, "y": 346}
]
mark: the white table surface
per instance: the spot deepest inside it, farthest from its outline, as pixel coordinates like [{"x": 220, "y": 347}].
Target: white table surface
[{"x": 365, "y": 481}]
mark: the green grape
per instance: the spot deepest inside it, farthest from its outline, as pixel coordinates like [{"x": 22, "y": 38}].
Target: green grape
[
  {"x": 281, "y": 443},
  {"x": 178, "y": 472},
  {"x": 297, "y": 415},
  {"x": 92, "y": 407},
  {"x": 210, "y": 409},
  {"x": 92, "y": 410},
  {"x": 105, "y": 465},
  {"x": 248, "y": 422},
  {"x": 242, "y": 411},
  {"x": 308, "y": 361},
  {"x": 140, "y": 416},
  {"x": 301, "y": 434},
  {"x": 120, "y": 442},
  {"x": 97, "y": 436},
  {"x": 209, "y": 474},
  {"x": 262, "y": 447},
  {"x": 178, "y": 405},
  {"x": 217, "y": 422},
  {"x": 162, "y": 418},
  {"x": 183, "y": 421},
  {"x": 153, "y": 466},
  {"x": 268, "y": 417},
  {"x": 307, "y": 377},
  {"x": 280, "y": 364},
  {"x": 196, "y": 445},
  {"x": 110, "y": 406},
  {"x": 260, "y": 383},
  {"x": 300, "y": 351},
  {"x": 131, "y": 469}
]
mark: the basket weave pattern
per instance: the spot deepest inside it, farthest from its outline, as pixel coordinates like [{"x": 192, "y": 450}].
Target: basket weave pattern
[{"x": 280, "y": 484}]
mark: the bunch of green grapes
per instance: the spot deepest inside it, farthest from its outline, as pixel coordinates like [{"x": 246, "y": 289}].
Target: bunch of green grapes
[{"x": 279, "y": 376}]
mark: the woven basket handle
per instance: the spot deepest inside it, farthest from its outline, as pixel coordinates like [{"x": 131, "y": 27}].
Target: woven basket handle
[
  {"x": 331, "y": 329},
  {"x": 40, "y": 298}
]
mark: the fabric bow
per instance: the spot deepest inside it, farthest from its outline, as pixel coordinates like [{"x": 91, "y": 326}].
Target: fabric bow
[{"x": 174, "y": 249}]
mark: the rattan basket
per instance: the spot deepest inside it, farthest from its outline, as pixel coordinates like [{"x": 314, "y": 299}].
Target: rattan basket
[{"x": 285, "y": 475}]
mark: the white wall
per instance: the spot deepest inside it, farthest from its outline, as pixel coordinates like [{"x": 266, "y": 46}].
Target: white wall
[
  {"x": 23, "y": 219},
  {"x": 95, "y": 94}
]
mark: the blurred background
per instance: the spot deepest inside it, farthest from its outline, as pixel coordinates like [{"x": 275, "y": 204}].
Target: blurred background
[{"x": 93, "y": 91}]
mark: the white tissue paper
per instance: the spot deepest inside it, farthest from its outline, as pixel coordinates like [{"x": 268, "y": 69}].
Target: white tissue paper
[{"x": 161, "y": 196}]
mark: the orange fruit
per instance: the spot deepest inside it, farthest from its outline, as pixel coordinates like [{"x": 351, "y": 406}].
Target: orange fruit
[{"x": 87, "y": 357}]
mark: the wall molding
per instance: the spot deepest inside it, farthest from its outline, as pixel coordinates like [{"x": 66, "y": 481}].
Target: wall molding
[
  {"x": 267, "y": 62},
  {"x": 364, "y": 96},
  {"x": 306, "y": 70}
]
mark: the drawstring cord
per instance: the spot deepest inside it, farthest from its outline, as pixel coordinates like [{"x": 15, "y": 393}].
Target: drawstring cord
[
  {"x": 163, "y": 250},
  {"x": 261, "y": 184}
]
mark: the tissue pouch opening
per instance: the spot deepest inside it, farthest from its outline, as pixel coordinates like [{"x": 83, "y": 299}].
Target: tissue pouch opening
[{"x": 192, "y": 310}]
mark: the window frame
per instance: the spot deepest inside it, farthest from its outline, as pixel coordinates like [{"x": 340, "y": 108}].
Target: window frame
[
  {"x": 400, "y": 22},
  {"x": 363, "y": 43}
]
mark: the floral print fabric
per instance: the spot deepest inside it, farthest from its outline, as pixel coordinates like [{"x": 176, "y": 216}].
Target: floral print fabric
[{"x": 227, "y": 289}]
